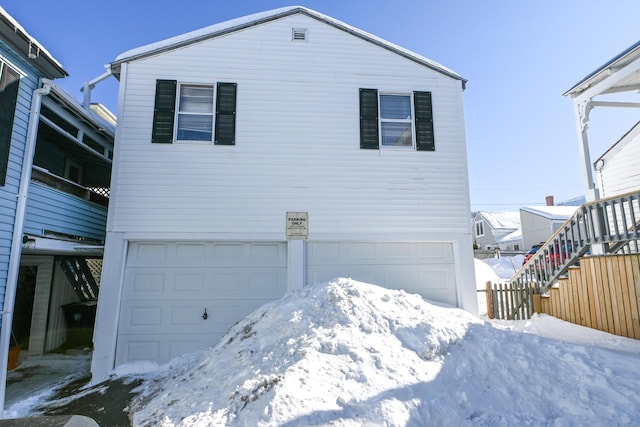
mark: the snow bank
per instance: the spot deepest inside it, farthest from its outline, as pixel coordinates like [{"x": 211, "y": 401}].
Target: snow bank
[{"x": 346, "y": 353}]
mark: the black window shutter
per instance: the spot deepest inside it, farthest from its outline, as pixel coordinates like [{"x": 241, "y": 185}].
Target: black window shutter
[
  {"x": 226, "y": 114},
  {"x": 164, "y": 111},
  {"x": 369, "y": 138},
  {"x": 9, "y": 82},
  {"x": 425, "y": 140}
]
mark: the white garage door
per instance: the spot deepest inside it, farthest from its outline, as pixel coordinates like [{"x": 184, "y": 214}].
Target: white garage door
[
  {"x": 423, "y": 268},
  {"x": 169, "y": 285}
]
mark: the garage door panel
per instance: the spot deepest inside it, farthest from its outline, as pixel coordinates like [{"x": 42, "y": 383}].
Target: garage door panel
[
  {"x": 160, "y": 348},
  {"x": 375, "y": 253},
  {"x": 152, "y": 317},
  {"x": 184, "y": 283},
  {"x": 425, "y": 268},
  {"x": 210, "y": 254},
  {"x": 169, "y": 285}
]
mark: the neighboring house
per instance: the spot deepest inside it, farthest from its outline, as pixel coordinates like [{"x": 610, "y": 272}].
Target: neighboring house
[
  {"x": 54, "y": 155},
  {"x": 618, "y": 169},
  {"x": 538, "y": 223},
  {"x": 490, "y": 228},
  {"x": 511, "y": 242},
  {"x": 262, "y": 154},
  {"x": 616, "y": 80}
]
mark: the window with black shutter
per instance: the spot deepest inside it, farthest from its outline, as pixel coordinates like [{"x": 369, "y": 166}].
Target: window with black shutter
[
  {"x": 164, "y": 111},
  {"x": 425, "y": 140},
  {"x": 226, "y": 114},
  {"x": 9, "y": 81},
  {"x": 394, "y": 120},
  {"x": 369, "y": 138},
  {"x": 184, "y": 112}
]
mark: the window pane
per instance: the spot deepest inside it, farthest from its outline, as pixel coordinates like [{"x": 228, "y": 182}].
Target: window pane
[
  {"x": 196, "y": 99},
  {"x": 395, "y": 107},
  {"x": 396, "y": 134},
  {"x": 195, "y": 127}
]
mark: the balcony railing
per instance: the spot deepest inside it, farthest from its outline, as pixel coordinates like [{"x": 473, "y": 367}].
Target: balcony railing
[
  {"x": 95, "y": 195},
  {"x": 612, "y": 223}
]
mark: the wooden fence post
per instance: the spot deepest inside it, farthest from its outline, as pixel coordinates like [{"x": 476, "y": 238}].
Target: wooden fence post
[
  {"x": 490, "y": 312},
  {"x": 537, "y": 302}
]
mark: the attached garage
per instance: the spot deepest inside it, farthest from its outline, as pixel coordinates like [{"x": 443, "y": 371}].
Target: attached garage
[
  {"x": 201, "y": 219},
  {"x": 169, "y": 286},
  {"x": 425, "y": 268}
]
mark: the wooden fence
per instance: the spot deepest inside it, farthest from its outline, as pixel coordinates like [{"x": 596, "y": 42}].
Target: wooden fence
[
  {"x": 509, "y": 301},
  {"x": 602, "y": 293}
]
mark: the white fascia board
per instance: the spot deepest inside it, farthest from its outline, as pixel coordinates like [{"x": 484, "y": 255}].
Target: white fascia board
[{"x": 602, "y": 86}]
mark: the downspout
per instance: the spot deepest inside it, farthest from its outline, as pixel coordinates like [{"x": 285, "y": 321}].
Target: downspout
[{"x": 16, "y": 243}]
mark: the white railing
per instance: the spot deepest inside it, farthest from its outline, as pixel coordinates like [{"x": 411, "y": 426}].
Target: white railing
[{"x": 612, "y": 223}]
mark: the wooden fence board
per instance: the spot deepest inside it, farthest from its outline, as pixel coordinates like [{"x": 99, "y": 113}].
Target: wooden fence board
[
  {"x": 612, "y": 282},
  {"x": 587, "y": 269},
  {"x": 600, "y": 308},
  {"x": 625, "y": 315},
  {"x": 575, "y": 278},
  {"x": 602, "y": 293}
]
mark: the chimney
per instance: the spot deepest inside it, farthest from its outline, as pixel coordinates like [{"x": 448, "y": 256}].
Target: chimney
[{"x": 549, "y": 201}]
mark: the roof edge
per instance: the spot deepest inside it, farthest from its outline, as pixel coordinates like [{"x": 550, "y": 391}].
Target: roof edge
[
  {"x": 20, "y": 40},
  {"x": 233, "y": 25},
  {"x": 577, "y": 88}
]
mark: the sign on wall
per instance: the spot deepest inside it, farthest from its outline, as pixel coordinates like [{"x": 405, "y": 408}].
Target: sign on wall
[{"x": 297, "y": 225}]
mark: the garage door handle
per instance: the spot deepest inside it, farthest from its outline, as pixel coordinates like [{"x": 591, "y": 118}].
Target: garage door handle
[{"x": 205, "y": 316}]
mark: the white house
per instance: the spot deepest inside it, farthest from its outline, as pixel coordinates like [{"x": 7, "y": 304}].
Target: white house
[
  {"x": 493, "y": 230},
  {"x": 617, "y": 169},
  {"x": 265, "y": 153},
  {"x": 540, "y": 222}
]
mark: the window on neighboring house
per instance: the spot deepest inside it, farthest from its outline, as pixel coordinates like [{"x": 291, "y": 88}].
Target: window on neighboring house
[
  {"x": 9, "y": 81},
  {"x": 194, "y": 113},
  {"x": 396, "y": 120},
  {"x": 479, "y": 229}
]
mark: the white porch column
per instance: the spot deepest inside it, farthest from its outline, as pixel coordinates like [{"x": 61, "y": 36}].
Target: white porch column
[{"x": 582, "y": 109}]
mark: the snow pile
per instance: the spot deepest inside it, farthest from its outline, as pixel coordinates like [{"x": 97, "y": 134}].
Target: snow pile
[
  {"x": 350, "y": 354},
  {"x": 505, "y": 267}
]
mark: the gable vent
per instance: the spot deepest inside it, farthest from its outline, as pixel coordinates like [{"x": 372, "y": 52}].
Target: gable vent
[{"x": 299, "y": 34}]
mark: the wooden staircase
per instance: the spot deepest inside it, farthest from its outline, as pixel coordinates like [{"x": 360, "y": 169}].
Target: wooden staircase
[{"x": 613, "y": 224}]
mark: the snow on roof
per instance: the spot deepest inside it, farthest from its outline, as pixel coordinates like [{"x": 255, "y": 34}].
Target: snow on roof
[
  {"x": 511, "y": 237},
  {"x": 502, "y": 220},
  {"x": 270, "y": 15},
  {"x": 559, "y": 213},
  {"x": 20, "y": 30}
]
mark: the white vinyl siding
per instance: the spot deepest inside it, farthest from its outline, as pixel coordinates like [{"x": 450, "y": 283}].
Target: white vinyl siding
[
  {"x": 620, "y": 173},
  {"x": 296, "y": 145}
]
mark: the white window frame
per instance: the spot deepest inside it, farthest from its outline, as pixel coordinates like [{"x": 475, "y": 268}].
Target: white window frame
[
  {"x": 411, "y": 121},
  {"x": 479, "y": 227},
  {"x": 176, "y": 126}
]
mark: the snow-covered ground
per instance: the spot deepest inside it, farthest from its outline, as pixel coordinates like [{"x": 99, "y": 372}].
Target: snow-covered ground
[{"x": 346, "y": 353}]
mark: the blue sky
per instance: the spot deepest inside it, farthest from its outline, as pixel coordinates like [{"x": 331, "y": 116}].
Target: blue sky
[{"x": 518, "y": 56}]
